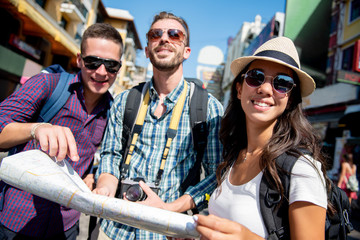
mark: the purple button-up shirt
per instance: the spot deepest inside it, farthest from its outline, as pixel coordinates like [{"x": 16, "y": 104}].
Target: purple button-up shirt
[{"x": 26, "y": 213}]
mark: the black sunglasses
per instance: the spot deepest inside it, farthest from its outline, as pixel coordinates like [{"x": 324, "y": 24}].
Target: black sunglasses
[
  {"x": 93, "y": 63},
  {"x": 280, "y": 83},
  {"x": 175, "y": 35}
]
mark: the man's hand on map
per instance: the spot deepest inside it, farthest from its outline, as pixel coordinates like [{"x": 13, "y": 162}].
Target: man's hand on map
[
  {"x": 90, "y": 181},
  {"x": 106, "y": 185},
  {"x": 57, "y": 141}
]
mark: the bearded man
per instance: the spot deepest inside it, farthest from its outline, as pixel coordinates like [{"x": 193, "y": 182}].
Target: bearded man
[{"x": 167, "y": 48}]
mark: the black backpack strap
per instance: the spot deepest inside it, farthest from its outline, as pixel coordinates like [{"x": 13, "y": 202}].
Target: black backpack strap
[
  {"x": 133, "y": 102},
  {"x": 198, "y": 117},
  {"x": 337, "y": 226},
  {"x": 3, "y": 187},
  {"x": 275, "y": 216}
]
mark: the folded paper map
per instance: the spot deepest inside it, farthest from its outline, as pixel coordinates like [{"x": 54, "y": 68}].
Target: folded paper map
[{"x": 34, "y": 171}]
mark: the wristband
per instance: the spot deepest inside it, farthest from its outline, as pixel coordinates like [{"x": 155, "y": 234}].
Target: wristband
[{"x": 36, "y": 126}]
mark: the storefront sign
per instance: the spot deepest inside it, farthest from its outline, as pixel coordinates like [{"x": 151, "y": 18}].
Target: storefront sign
[
  {"x": 356, "y": 64},
  {"x": 23, "y": 46},
  {"x": 348, "y": 77}
]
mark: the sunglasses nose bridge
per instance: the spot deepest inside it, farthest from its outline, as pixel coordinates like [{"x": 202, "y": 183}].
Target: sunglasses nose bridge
[
  {"x": 266, "y": 86},
  {"x": 165, "y": 36},
  {"x": 271, "y": 79},
  {"x": 102, "y": 67}
]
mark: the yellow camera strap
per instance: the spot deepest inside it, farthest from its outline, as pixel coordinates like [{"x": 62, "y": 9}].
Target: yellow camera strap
[{"x": 170, "y": 134}]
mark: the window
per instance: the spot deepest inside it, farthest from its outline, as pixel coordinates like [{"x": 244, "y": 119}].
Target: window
[
  {"x": 354, "y": 10},
  {"x": 41, "y": 3},
  {"x": 63, "y": 23},
  {"x": 78, "y": 38},
  {"x": 347, "y": 59},
  {"x": 330, "y": 64},
  {"x": 334, "y": 22}
]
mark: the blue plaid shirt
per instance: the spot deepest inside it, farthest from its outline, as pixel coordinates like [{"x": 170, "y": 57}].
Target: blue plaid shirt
[
  {"x": 26, "y": 213},
  {"x": 145, "y": 161}
]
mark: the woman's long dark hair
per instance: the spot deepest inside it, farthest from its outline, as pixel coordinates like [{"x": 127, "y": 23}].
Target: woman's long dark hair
[{"x": 291, "y": 133}]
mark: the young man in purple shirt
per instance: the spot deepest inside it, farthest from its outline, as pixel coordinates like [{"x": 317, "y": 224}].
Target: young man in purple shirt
[{"x": 74, "y": 133}]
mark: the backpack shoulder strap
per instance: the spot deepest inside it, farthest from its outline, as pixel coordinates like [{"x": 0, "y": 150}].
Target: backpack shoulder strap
[
  {"x": 198, "y": 104},
  {"x": 57, "y": 99},
  {"x": 275, "y": 216},
  {"x": 132, "y": 105},
  {"x": 198, "y": 116},
  {"x": 338, "y": 225}
]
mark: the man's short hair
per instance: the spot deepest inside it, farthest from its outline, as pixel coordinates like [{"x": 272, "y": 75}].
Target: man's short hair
[
  {"x": 167, "y": 15},
  {"x": 101, "y": 30}
]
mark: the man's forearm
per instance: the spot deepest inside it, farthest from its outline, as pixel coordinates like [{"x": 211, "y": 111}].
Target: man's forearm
[
  {"x": 182, "y": 204},
  {"x": 15, "y": 133}
]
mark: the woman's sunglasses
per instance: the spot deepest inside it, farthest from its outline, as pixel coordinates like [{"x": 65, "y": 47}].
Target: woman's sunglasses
[
  {"x": 175, "y": 35},
  {"x": 93, "y": 63},
  {"x": 280, "y": 83}
]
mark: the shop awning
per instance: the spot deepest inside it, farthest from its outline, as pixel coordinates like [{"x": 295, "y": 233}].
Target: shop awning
[{"x": 351, "y": 119}]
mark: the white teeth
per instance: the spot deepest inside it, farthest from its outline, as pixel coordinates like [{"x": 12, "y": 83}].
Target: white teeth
[
  {"x": 98, "y": 81},
  {"x": 261, "y": 104}
]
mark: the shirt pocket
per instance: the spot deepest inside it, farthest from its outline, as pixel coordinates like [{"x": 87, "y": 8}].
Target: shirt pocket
[{"x": 100, "y": 125}]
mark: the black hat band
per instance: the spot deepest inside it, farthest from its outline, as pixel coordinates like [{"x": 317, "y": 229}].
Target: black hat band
[{"x": 278, "y": 55}]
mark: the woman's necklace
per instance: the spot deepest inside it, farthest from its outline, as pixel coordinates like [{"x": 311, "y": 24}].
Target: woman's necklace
[
  {"x": 252, "y": 154},
  {"x": 244, "y": 160}
]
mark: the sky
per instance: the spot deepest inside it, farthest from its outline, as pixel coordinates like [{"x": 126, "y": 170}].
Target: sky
[{"x": 210, "y": 22}]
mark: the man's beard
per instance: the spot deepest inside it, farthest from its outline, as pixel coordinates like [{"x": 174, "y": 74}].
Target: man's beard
[{"x": 166, "y": 65}]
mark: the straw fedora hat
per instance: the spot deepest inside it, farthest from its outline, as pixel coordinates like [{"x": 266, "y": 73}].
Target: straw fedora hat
[{"x": 279, "y": 50}]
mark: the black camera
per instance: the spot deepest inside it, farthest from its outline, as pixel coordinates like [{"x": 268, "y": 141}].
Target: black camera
[{"x": 133, "y": 190}]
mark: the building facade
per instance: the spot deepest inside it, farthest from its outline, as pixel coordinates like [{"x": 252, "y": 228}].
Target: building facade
[
  {"x": 39, "y": 33},
  {"x": 327, "y": 36},
  {"x": 123, "y": 21}
]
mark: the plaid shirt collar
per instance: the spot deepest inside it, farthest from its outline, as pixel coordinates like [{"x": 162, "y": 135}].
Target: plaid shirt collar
[{"x": 172, "y": 96}]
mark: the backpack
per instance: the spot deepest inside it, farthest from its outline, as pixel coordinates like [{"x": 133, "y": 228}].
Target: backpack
[
  {"x": 57, "y": 99},
  {"x": 198, "y": 116},
  {"x": 275, "y": 217},
  {"x": 53, "y": 105},
  {"x": 352, "y": 183}
]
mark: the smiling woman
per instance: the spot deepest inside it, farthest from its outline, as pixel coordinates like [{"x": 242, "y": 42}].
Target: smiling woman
[{"x": 263, "y": 122}]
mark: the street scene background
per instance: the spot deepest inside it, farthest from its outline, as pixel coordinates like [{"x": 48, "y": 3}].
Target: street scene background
[{"x": 39, "y": 33}]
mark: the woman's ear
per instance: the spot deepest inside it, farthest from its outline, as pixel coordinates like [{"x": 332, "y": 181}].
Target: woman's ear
[{"x": 238, "y": 89}]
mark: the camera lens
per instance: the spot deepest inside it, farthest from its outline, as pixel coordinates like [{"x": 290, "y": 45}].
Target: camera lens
[{"x": 135, "y": 193}]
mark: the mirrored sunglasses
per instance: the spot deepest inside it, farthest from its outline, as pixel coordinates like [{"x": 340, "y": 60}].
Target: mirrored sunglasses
[
  {"x": 175, "y": 35},
  {"x": 94, "y": 62},
  {"x": 280, "y": 83}
]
